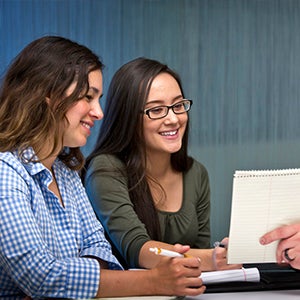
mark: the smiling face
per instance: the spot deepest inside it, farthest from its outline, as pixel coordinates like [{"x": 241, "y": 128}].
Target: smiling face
[
  {"x": 82, "y": 115},
  {"x": 164, "y": 135}
]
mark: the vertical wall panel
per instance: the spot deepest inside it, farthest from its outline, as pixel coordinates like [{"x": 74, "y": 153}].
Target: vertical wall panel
[{"x": 239, "y": 61}]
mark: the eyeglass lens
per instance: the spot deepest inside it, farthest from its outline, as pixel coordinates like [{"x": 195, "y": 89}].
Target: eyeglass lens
[{"x": 161, "y": 111}]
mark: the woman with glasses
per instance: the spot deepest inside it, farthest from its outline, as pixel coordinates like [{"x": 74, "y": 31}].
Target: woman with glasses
[{"x": 145, "y": 189}]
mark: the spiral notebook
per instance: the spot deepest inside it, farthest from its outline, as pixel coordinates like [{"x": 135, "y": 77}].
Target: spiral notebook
[{"x": 261, "y": 201}]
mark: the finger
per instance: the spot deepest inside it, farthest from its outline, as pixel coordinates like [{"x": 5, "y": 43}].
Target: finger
[
  {"x": 181, "y": 248},
  {"x": 220, "y": 251},
  {"x": 220, "y": 256},
  {"x": 225, "y": 241},
  {"x": 278, "y": 233},
  {"x": 288, "y": 255},
  {"x": 192, "y": 262},
  {"x": 193, "y": 273},
  {"x": 194, "y": 291},
  {"x": 282, "y": 246},
  {"x": 194, "y": 282},
  {"x": 220, "y": 263}
]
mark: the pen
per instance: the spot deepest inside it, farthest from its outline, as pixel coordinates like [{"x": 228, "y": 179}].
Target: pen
[
  {"x": 219, "y": 244},
  {"x": 164, "y": 252}
]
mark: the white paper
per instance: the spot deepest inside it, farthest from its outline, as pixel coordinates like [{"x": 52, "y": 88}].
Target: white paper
[
  {"x": 244, "y": 274},
  {"x": 261, "y": 201}
]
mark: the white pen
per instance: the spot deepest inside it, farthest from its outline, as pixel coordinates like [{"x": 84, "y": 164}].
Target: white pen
[{"x": 164, "y": 252}]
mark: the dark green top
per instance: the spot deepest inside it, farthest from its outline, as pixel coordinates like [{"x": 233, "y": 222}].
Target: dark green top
[{"x": 108, "y": 193}]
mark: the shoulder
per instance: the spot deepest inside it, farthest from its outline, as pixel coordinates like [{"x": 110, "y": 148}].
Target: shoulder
[
  {"x": 9, "y": 161},
  {"x": 197, "y": 176},
  {"x": 8, "y": 157},
  {"x": 196, "y": 182},
  {"x": 104, "y": 161},
  {"x": 14, "y": 175},
  {"x": 105, "y": 166},
  {"x": 198, "y": 168}
]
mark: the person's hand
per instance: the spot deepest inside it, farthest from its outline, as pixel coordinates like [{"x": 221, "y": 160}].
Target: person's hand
[
  {"x": 178, "y": 276},
  {"x": 288, "y": 249},
  {"x": 220, "y": 257},
  {"x": 182, "y": 249}
]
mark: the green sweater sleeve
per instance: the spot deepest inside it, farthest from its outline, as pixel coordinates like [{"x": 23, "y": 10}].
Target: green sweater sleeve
[{"x": 106, "y": 186}]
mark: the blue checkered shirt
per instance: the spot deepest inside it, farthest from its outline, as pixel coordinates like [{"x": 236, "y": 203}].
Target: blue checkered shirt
[{"x": 42, "y": 243}]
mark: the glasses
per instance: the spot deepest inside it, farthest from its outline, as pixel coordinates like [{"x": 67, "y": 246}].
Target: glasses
[{"x": 159, "y": 112}]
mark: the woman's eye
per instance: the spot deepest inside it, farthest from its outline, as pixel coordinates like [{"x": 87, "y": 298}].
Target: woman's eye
[
  {"x": 156, "y": 110},
  {"x": 178, "y": 107},
  {"x": 89, "y": 97}
]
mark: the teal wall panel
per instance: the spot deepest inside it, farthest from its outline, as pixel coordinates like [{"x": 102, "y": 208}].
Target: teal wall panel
[{"x": 239, "y": 61}]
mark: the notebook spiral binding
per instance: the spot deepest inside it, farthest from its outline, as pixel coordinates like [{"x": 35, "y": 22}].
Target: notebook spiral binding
[{"x": 262, "y": 173}]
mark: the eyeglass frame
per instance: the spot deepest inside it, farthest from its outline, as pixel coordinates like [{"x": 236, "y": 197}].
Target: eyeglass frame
[{"x": 147, "y": 110}]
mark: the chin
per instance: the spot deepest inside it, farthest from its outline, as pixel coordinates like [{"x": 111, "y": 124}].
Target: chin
[
  {"x": 173, "y": 150},
  {"x": 76, "y": 145}
]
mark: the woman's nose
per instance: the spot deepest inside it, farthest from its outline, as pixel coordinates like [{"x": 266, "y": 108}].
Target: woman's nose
[
  {"x": 96, "y": 111},
  {"x": 171, "y": 116}
]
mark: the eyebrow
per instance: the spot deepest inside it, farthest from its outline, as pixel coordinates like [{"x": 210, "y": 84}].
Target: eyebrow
[
  {"x": 94, "y": 89},
  {"x": 158, "y": 101}
]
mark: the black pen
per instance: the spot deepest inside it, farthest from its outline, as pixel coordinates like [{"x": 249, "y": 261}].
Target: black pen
[{"x": 219, "y": 244}]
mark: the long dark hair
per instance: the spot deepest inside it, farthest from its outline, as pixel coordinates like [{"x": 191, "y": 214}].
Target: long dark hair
[
  {"x": 43, "y": 70},
  {"x": 121, "y": 133}
]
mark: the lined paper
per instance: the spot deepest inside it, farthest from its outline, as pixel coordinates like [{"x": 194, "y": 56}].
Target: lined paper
[
  {"x": 244, "y": 274},
  {"x": 261, "y": 201}
]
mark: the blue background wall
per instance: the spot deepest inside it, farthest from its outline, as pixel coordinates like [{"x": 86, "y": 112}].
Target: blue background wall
[{"x": 239, "y": 61}]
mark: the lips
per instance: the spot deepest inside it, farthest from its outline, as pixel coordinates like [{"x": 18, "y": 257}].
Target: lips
[
  {"x": 169, "y": 133},
  {"x": 86, "y": 125}
]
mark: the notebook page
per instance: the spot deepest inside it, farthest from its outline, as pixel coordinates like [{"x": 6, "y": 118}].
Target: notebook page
[{"x": 261, "y": 201}]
